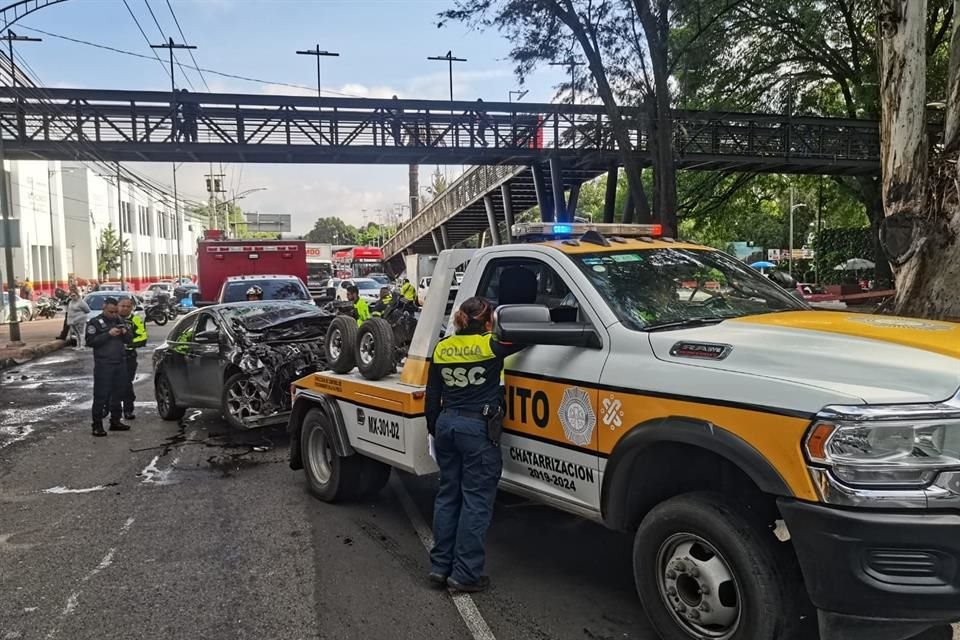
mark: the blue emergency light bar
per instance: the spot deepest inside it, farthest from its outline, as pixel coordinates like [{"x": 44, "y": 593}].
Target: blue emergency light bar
[{"x": 539, "y": 231}]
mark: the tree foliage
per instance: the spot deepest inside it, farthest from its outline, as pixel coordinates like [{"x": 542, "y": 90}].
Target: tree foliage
[
  {"x": 110, "y": 251},
  {"x": 835, "y": 246}
]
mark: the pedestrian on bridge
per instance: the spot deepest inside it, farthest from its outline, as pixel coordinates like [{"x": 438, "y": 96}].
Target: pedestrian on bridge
[
  {"x": 464, "y": 412},
  {"x": 108, "y": 335},
  {"x": 189, "y": 113}
]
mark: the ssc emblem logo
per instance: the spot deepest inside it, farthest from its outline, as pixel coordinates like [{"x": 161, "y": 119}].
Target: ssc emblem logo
[{"x": 577, "y": 416}]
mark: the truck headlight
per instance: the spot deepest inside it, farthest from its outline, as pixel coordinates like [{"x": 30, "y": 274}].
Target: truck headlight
[{"x": 893, "y": 452}]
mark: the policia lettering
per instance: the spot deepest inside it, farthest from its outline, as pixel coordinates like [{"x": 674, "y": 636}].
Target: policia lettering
[{"x": 525, "y": 404}]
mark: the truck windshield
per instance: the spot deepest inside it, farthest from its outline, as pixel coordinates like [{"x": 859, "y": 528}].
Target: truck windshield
[
  {"x": 272, "y": 290},
  {"x": 666, "y": 287}
]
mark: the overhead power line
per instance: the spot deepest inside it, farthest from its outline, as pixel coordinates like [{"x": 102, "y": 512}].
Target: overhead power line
[
  {"x": 163, "y": 35},
  {"x": 183, "y": 38},
  {"x": 222, "y": 74},
  {"x": 144, "y": 34}
]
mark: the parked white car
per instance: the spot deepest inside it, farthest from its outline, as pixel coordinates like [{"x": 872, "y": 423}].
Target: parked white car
[
  {"x": 152, "y": 289},
  {"x": 25, "y": 309},
  {"x": 368, "y": 288}
]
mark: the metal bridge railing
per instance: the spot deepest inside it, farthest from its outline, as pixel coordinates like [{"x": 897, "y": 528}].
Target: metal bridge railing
[
  {"x": 471, "y": 186},
  {"x": 34, "y": 119}
]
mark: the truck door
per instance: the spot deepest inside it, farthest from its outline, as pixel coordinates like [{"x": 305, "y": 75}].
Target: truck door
[{"x": 550, "y": 442}]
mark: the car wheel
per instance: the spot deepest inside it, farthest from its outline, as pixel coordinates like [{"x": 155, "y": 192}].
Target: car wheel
[
  {"x": 241, "y": 401},
  {"x": 167, "y": 407},
  {"x": 375, "y": 349},
  {"x": 340, "y": 341},
  {"x": 705, "y": 570},
  {"x": 331, "y": 477}
]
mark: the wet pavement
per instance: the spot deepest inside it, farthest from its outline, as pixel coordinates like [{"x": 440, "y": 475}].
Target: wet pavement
[{"x": 194, "y": 530}]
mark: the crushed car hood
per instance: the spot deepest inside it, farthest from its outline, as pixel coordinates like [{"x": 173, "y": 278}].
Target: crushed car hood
[{"x": 880, "y": 359}]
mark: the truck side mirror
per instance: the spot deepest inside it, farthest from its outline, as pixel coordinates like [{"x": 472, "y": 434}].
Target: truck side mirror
[{"x": 530, "y": 324}]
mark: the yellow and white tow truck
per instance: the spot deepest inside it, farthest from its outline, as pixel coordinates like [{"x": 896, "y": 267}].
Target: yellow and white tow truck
[{"x": 785, "y": 471}]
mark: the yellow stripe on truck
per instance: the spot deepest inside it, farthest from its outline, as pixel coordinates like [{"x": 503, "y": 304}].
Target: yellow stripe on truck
[
  {"x": 539, "y": 408},
  {"x": 408, "y": 403}
]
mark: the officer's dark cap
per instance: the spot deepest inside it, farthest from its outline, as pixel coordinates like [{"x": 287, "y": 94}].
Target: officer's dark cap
[{"x": 110, "y": 300}]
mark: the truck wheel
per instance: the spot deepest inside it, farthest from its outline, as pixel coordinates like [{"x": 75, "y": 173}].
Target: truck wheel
[
  {"x": 340, "y": 341},
  {"x": 375, "y": 349},
  {"x": 330, "y": 477},
  {"x": 167, "y": 407},
  {"x": 703, "y": 570}
]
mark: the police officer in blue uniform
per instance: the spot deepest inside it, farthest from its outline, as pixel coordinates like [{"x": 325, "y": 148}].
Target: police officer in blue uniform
[
  {"x": 109, "y": 336},
  {"x": 463, "y": 410}
]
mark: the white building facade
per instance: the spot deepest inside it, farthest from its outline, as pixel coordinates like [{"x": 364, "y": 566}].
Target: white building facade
[{"x": 63, "y": 209}]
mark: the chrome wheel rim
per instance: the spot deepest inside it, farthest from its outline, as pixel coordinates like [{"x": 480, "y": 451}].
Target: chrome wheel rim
[
  {"x": 368, "y": 348},
  {"x": 320, "y": 456},
  {"x": 336, "y": 344},
  {"x": 243, "y": 400},
  {"x": 698, "y": 587}
]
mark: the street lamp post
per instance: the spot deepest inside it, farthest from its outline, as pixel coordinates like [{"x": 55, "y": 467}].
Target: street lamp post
[
  {"x": 240, "y": 196},
  {"x": 517, "y": 93},
  {"x": 572, "y": 63}
]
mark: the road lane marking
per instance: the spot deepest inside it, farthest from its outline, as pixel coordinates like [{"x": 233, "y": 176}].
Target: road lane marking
[
  {"x": 73, "y": 600},
  {"x": 61, "y": 489},
  {"x": 467, "y": 608}
]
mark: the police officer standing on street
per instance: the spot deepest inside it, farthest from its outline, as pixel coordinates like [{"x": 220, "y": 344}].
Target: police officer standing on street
[
  {"x": 109, "y": 336},
  {"x": 138, "y": 331},
  {"x": 464, "y": 415}
]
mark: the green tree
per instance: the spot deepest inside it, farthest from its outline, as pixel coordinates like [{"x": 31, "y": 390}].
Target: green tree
[
  {"x": 109, "y": 252},
  {"x": 332, "y": 230}
]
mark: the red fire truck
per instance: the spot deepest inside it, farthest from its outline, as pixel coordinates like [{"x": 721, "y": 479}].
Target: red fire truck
[
  {"x": 218, "y": 259},
  {"x": 358, "y": 262}
]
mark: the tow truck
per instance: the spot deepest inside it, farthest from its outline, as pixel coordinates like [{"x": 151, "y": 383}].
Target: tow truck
[{"x": 787, "y": 473}]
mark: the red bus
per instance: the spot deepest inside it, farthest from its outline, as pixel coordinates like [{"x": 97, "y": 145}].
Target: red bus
[{"x": 358, "y": 262}]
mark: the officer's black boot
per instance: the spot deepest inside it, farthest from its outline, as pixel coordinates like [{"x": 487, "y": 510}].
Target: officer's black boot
[
  {"x": 116, "y": 425},
  {"x": 98, "y": 429}
]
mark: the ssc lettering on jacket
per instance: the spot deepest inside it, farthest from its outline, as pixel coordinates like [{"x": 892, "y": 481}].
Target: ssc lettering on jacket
[{"x": 462, "y": 377}]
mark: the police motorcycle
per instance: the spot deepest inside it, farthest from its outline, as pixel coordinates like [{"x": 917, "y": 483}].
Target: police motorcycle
[
  {"x": 46, "y": 308},
  {"x": 160, "y": 311}
]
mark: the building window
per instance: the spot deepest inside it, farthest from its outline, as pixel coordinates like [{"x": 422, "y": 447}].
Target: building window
[
  {"x": 143, "y": 217},
  {"x": 125, "y": 220}
]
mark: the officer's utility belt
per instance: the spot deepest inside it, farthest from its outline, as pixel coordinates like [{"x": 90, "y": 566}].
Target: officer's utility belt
[{"x": 493, "y": 416}]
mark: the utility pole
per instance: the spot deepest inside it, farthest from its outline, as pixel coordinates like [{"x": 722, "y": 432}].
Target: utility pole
[
  {"x": 215, "y": 186},
  {"x": 318, "y": 54},
  {"x": 171, "y": 45},
  {"x": 6, "y": 205},
  {"x": 572, "y": 63},
  {"x": 450, "y": 59},
  {"x": 120, "y": 219}
]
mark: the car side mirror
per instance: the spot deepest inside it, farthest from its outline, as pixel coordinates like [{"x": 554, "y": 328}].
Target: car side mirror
[
  {"x": 530, "y": 324},
  {"x": 207, "y": 337}
]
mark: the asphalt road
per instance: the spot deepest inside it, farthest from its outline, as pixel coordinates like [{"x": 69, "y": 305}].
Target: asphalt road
[{"x": 195, "y": 531}]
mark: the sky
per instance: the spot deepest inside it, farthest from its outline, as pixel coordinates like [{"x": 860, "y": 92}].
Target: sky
[{"x": 383, "y": 46}]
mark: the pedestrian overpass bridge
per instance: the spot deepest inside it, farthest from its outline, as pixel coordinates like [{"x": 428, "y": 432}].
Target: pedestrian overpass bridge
[{"x": 522, "y": 154}]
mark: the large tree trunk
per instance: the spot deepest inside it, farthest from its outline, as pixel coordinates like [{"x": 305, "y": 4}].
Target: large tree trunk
[
  {"x": 621, "y": 134},
  {"x": 664, "y": 169},
  {"x": 922, "y": 211}
]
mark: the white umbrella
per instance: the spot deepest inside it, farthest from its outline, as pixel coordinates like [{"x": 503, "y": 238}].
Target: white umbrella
[{"x": 855, "y": 264}]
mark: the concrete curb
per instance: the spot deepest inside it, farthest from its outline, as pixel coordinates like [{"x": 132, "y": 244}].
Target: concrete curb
[{"x": 13, "y": 357}]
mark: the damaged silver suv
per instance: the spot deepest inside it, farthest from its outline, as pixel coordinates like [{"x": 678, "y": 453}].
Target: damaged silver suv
[{"x": 240, "y": 358}]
